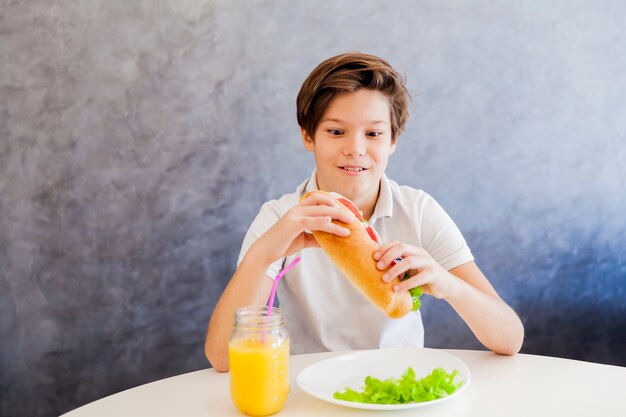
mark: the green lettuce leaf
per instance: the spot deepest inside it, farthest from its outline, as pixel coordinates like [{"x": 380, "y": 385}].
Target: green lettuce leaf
[
  {"x": 416, "y": 293},
  {"x": 437, "y": 384}
]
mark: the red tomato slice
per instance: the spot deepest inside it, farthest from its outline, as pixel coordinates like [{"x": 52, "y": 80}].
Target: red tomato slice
[
  {"x": 372, "y": 234},
  {"x": 354, "y": 209}
]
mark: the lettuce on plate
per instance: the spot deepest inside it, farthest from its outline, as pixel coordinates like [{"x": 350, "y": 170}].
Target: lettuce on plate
[{"x": 404, "y": 390}]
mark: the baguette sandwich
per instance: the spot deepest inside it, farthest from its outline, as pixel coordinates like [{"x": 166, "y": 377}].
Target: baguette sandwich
[{"x": 353, "y": 256}]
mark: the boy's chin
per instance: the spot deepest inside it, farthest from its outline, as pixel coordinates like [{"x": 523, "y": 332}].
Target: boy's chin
[
  {"x": 352, "y": 191},
  {"x": 349, "y": 185}
]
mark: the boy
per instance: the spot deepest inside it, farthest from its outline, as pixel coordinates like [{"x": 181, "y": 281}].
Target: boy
[{"x": 351, "y": 110}]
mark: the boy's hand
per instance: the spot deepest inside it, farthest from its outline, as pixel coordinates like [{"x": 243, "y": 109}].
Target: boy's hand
[
  {"x": 422, "y": 269},
  {"x": 288, "y": 235}
]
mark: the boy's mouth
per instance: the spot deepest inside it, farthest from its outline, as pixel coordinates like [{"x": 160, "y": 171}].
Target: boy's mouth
[{"x": 352, "y": 169}]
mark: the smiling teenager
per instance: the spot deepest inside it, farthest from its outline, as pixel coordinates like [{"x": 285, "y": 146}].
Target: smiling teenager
[
  {"x": 351, "y": 110},
  {"x": 352, "y": 145}
]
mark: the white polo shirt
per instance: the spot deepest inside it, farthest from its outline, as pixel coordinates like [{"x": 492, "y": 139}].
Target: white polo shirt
[{"x": 322, "y": 310}]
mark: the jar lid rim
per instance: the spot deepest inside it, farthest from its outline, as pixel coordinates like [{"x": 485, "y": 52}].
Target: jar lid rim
[{"x": 258, "y": 316}]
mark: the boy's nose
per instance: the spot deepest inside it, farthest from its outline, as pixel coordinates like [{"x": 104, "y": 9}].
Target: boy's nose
[{"x": 355, "y": 146}]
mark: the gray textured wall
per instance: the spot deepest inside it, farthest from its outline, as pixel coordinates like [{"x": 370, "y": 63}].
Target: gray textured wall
[{"x": 139, "y": 138}]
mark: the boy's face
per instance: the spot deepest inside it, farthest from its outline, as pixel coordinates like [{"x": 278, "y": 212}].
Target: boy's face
[{"x": 352, "y": 145}]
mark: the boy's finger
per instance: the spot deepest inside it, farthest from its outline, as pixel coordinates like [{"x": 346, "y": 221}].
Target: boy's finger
[
  {"x": 318, "y": 199},
  {"x": 407, "y": 284},
  {"x": 403, "y": 252},
  {"x": 336, "y": 229},
  {"x": 333, "y": 212},
  {"x": 398, "y": 270},
  {"x": 345, "y": 216},
  {"x": 383, "y": 249},
  {"x": 344, "y": 231},
  {"x": 391, "y": 257}
]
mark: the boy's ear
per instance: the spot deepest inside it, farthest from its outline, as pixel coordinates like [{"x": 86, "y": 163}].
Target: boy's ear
[
  {"x": 307, "y": 140},
  {"x": 393, "y": 146}
]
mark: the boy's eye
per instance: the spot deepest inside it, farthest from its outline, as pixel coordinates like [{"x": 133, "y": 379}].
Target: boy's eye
[
  {"x": 374, "y": 134},
  {"x": 335, "y": 132}
]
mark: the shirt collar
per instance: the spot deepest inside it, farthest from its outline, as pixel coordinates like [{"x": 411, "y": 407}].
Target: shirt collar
[
  {"x": 312, "y": 183},
  {"x": 384, "y": 205}
]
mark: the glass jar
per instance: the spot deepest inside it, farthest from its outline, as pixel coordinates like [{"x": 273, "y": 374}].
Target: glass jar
[{"x": 258, "y": 355}]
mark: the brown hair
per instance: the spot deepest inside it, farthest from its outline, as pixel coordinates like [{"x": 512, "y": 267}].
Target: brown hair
[{"x": 347, "y": 73}]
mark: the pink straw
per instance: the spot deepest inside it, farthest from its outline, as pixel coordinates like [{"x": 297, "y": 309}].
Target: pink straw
[{"x": 270, "y": 303}]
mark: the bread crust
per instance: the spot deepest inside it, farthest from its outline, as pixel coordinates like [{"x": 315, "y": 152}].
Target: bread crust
[{"x": 353, "y": 256}]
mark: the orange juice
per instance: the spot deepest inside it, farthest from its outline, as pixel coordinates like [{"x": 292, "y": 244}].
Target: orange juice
[
  {"x": 259, "y": 376},
  {"x": 258, "y": 354}
]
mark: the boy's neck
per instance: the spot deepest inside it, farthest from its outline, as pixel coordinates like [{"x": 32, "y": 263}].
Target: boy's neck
[
  {"x": 368, "y": 206},
  {"x": 365, "y": 202}
]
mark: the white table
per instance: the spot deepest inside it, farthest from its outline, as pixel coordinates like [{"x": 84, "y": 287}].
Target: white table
[{"x": 522, "y": 385}]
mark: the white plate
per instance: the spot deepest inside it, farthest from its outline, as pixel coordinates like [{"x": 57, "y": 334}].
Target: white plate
[{"x": 324, "y": 378}]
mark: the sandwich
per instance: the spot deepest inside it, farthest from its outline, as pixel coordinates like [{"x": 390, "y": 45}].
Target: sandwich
[{"x": 353, "y": 256}]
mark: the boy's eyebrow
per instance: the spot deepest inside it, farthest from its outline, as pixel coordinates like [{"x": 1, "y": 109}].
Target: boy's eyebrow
[{"x": 372, "y": 122}]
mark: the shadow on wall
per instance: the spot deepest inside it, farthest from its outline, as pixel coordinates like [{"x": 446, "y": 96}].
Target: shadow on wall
[
  {"x": 581, "y": 313},
  {"x": 573, "y": 307}
]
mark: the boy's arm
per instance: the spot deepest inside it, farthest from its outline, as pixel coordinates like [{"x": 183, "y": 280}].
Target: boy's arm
[
  {"x": 249, "y": 285},
  {"x": 465, "y": 288},
  {"x": 492, "y": 321},
  {"x": 472, "y": 296}
]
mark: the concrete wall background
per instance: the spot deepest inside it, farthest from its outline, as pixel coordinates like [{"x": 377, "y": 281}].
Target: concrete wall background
[{"x": 138, "y": 140}]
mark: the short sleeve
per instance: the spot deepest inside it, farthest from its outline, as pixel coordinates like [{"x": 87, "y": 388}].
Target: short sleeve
[
  {"x": 268, "y": 215},
  {"x": 441, "y": 238}
]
